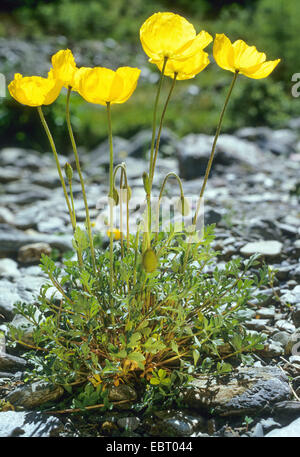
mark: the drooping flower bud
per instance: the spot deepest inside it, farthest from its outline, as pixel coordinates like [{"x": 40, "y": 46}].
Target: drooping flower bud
[
  {"x": 68, "y": 171},
  {"x": 146, "y": 182},
  {"x": 149, "y": 261}
]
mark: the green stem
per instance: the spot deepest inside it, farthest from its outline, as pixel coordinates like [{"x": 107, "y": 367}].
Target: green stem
[
  {"x": 111, "y": 194},
  {"x": 52, "y": 144},
  {"x": 215, "y": 143},
  {"x": 160, "y": 130},
  {"x": 148, "y": 196},
  {"x": 210, "y": 160},
  {"x": 88, "y": 221},
  {"x": 172, "y": 173}
]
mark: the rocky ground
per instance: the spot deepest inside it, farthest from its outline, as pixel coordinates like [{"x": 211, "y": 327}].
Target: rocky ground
[{"x": 252, "y": 196}]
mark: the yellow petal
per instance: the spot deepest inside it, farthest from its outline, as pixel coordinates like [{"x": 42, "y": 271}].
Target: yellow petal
[
  {"x": 53, "y": 92},
  {"x": 34, "y": 90},
  {"x": 223, "y": 52},
  {"x": 64, "y": 66},
  {"x": 100, "y": 85},
  {"x": 246, "y": 56},
  {"x": 186, "y": 69},
  {"x": 130, "y": 78},
  {"x": 162, "y": 34},
  {"x": 77, "y": 76},
  {"x": 193, "y": 46},
  {"x": 116, "y": 234},
  {"x": 261, "y": 71}
]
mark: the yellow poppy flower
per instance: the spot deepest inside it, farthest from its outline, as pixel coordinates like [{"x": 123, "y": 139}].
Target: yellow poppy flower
[
  {"x": 171, "y": 35},
  {"x": 116, "y": 234},
  {"x": 101, "y": 85},
  {"x": 185, "y": 69},
  {"x": 64, "y": 67},
  {"x": 34, "y": 90},
  {"x": 241, "y": 58}
]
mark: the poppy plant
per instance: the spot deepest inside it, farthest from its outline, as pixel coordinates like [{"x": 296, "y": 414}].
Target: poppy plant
[{"x": 239, "y": 57}]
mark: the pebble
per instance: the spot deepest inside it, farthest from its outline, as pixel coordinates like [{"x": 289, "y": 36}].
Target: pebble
[
  {"x": 34, "y": 395},
  {"x": 290, "y": 431},
  {"x": 31, "y": 253},
  {"x": 270, "y": 248},
  {"x": 28, "y": 424}
]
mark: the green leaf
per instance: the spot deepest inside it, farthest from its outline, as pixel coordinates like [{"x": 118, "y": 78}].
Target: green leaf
[{"x": 138, "y": 358}]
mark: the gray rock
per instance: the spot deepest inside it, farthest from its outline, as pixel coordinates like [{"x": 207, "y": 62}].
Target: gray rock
[
  {"x": 285, "y": 326},
  {"x": 9, "y": 174},
  {"x": 296, "y": 315},
  {"x": 129, "y": 423},
  {"x": 266, "y": 313},
  {"x": 269, "y": 424},
  {"x": 268, "y": 248},
  {"x": 257, "y": 324},
  {"x": 122, "y": 392},
  {"x": 295, "y": 359},
  {"x": 28, "y": 424},
  {"x": 8, "y": 268},
  {"x": 31, "y": 253},
  {"x": 6, "y": 216},
  {"x": 258, "y": 431},
  {"x": 271, "y": 350},
  {"x": 10, "y": 293},
  {"x": 245, "y": 391},
  {"x": 33, "y": 395},
  {"x": 290, "y": 431},
  {"x": 281, "y": 338},
  {"x": 11, "y": 240},
  {"x": 291, "y": 297},
  {"x": 11, "y": 363}
]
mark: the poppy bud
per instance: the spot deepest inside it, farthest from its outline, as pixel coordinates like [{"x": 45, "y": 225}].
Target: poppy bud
[
  {"x": 68, "y": 171},
  {"x": 146, "y": 182},
  {"x": 149, "y": 261},
  {"x": 116, "y": 196}
]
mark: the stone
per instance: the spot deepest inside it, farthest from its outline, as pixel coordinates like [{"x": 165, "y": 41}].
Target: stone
[
  {"x": 11, "y": 363},
  {"x": 35, "y": 394},
  {"x": 271, "y": 350},
  {"x": 121, "y": 393},
  {"x": 291, "y": 297},
  {"x": 129, "y": 423},
  {"x": 268, "y": 248},
  {"x": 296, "y": 316},
  {"x": 269, "y": 424},
  {"x": 281, "y": 338},
  {"x": 6, "y": 216},
  {"x": 287, "y": 408},
  {"x": 28, "y": 424},
  {"x": 31, "y": 253},
  {"x": 247, "y": 390},
  {"x": 8, "y": 268},
  {"x": 285, "y": 326},
  {"x": 10, "y": 293},
  {"x": 11, "y": 240},
  {"x": 295, "y": 359},
  {"x": 266, "y": 313},
  {"x": 290, "y": 431}
]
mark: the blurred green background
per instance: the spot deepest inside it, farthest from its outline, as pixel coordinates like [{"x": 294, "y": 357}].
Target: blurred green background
[{"x": 106, "y": 33}]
